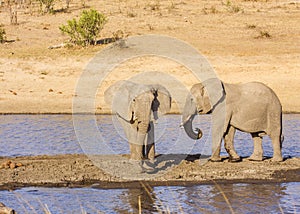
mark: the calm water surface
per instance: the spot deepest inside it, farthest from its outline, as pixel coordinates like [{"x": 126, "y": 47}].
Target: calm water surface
[
  {"x": 223, "y": 198},
  {"x": 54, "y": 134}
]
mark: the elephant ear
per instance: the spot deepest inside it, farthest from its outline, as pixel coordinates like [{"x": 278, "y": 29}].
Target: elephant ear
[
  {"x": 162, "y": 100},
  {"x": 118, "y": 97},
  {"x": 111, "y": 91},
  {"x": 214, "y": 91},
  {"x": 211, "y": 92},
  {"x": 207, "y": 105}
]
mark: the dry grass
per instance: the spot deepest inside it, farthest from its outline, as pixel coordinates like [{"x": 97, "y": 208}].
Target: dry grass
[{"x": 243, "y": 40}]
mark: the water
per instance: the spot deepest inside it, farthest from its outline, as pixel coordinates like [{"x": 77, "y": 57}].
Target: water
[
  {"x": 25, "y": 135},
  {"x": 54, "y": 134},
  {"x": 222, "y": 198}
]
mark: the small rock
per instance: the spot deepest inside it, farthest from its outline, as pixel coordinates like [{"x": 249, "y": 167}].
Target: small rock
[
  {"x": 19, "y": 164},
  {"x": 12, "y": 165},
  {"x": 50, "y": 90},
  {"x": 7, "y": 162},
  {"x": 13, "y": 92}
]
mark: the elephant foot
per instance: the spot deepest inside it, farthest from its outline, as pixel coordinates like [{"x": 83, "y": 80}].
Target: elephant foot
[
  {"x": 234, "y": 160},
  {"x": 255, "y": 158},
  {"x": 151, "y": 158},
  {"x": 148, "y": 166},
  {"x": 277, "y": 159},
  {"x": 214, "y": 159},
  {"x": 136, "y": 157}
]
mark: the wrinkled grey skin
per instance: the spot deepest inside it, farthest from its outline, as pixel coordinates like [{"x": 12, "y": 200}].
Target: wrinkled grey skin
[
  {"x": 138, "y": 107},
  {"x": 250, "y": 107}
]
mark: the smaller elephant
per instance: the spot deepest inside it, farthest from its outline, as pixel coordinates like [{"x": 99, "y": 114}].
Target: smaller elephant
[
  {"x": 249, "y": 107},
  {"x": 138, "y": 106}
]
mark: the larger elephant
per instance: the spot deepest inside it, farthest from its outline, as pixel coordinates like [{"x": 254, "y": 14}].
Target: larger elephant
[
  {"x": 137, "y": 107},
  {"x": 249, "y": 107}
]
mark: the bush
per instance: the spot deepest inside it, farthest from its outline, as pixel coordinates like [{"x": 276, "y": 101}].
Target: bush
[
  {"x": 85, "y": 31},
  {"x": 2, "y": 35}
]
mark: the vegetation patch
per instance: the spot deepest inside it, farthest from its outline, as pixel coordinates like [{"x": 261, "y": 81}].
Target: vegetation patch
[
  {"x": 85, "y": 31},
  {"x": 263, "y": 34}
]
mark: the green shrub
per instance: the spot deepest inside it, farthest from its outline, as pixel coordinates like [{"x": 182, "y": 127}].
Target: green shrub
[
  {"x": 2, "y": 35},
  {"x": 85, "y": 31}
]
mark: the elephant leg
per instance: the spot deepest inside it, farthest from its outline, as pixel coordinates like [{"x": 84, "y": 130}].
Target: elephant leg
[
  {"x": 150, "y": 145},
  {"x": 144, "y": 151},
  {"x": 136, "y": 151},
  {"x": 257, "y": 154},
  {"x": 218, "y": 127},
  {"x": 136, "y": 139},
  {"x": 229, "y": 145},
  {"x": 215, "y": 157},
  {"x": 277, "y": 155},
  {"x": 151, "y": 151},
  {"x": 136, "y": 142}
]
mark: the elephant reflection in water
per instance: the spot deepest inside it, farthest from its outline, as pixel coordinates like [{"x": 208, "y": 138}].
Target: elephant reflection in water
[
  {"x": 138, "y": 106},
  {"x": 214, "y": 198},
  {"x": 141, "y": 199},
  {"x": 235, "y": 198}
]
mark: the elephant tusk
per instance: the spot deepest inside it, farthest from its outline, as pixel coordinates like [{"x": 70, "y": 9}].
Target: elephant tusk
[
  {"x": 200, "y": 133},
  {"x": 133, "y": 118},
  {"x": 181, "y": 125},
  {"x": 131, "y": 121}
]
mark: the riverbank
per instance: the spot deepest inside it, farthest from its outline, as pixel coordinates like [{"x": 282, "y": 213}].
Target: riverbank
[
  {"x": 243, "y": 41},
  {"x": 79, "y": 170}
]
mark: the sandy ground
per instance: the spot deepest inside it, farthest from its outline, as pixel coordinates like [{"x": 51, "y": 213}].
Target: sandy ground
[
  {"x": 79, "y": 170},
  {"x": 35, "y": 79}
]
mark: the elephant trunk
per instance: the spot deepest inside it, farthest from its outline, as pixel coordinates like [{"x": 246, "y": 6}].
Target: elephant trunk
[
  {"x": 188, "y": 127},
  {"x": 188, "y": 114}
]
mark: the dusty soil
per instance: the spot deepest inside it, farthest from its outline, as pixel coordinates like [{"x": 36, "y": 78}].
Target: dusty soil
[
  {"x": 78, "y": 170},
  {"x": 243, "y": 40}
]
